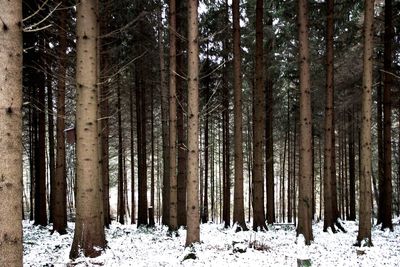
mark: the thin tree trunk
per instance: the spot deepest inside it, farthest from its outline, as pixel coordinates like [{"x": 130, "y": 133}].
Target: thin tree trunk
[
  {"x": 386, "y": 199},
  {"x": 121, "y": 198},
  {"x": 258, "y": 127},
  {"x": 60, "y": 186},
  {"x": 173, "y": 198},
  {"x": 193, "y": 216},
  {"x": 164, "y": 123},
  {"x": 352, "y": 171},
  {"x": 181, "y": 131}
]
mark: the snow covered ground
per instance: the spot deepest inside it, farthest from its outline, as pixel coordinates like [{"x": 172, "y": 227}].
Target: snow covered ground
[{"x": 129, "y": 246}]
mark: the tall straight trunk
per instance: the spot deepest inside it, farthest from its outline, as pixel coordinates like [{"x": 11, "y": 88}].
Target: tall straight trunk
[
  {"x": 193, "y": 216},
  {"x": 305, "y": 171},
  {"x": 352, "y": 171},
  {"x": 379, "y": 129},
  {"x": 11, "y": 134},
  {"x": 132, "y": 148},
  {"x": 204, "y": 217},
  {"x": 141, "y": 143},
  {"x": 60, "y": 183},
  {"x": 104, "y": 112},
  {"x": 238, "y": 204},
  {"x": 386, "y": 199},
  {"x": 89, "y": 237},
  {"x": 258, "y": 125},
  {"x": 364, "y": 227},
  {"x": 225, "y": 129},
  {"x": 121, "y": 198},
  {"x": 40, "y": 159},
  {"x": 50, "y": 129},
  {"x": 152, "y": 192},
  {"x": 329, "y": 220},
  {"x": 173, "y": 182},
  {"x": 269, "y": 142},
  {"x": 181, "y": 131},
  {"x": 164, "y": 123}
]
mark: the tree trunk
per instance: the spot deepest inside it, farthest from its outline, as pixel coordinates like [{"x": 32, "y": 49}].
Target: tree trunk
[
  {"x": 181, "y": 131},
  {"x": 269, "y": 143},
  {"x": 258, "y": 125},
  {"x": 164, "y": 124},
  {"x": 141, "y": 143},
  {"x": 60, "y": 183},
  {"x": 173, "y": 199},
  {"x": 329, "y": 165},
  {"x": 11, "y": 134},
  {"x": 104, "y": 114},
  {"x": 305, "y": 170},
  {"x": 238, "y": 208},
  {"x": 364, "y": 227},
  {"x": 352, "y": 171},
  {"x": 133, "y": 189},
  {"x": 121, "y": 198},
  {"x": 193, "y": 216},
  {"x": 386, "y": 199},
  {"x": 89, "y": 228},
  {"x": 40, "y": 159}
]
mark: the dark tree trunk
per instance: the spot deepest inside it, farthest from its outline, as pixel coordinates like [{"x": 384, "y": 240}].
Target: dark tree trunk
[
  {"x": 121, "y": 198},
  {"x": 141, "y": 140},
  {"x": 386, "y": 199}
]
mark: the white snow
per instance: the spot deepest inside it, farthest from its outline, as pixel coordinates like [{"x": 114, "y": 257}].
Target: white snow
[{"x": 129, "y": 246}]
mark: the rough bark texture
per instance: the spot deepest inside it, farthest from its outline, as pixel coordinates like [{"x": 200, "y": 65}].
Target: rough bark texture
[
  {"x": 104, "y": 113},
  {"x": 305, "y": 171},
  {"x": 89, "y": 238},
  {"x": 238, "y": 204},
  {"x": 181, "y": 105},
  {"x": 11, "y": 133},
  {"x": 173, "y": 223},
  {"x": 258, "y": 126},
  {"x": 386, "y": 199},
  {"x": 164, "y": 124},
  {"x": 364, "y": 227},
  {"x": 329, "y": 220},
  {"x": 60, "y": 185},
  {"x": 269, "y": 142},
  {"x": 193, "y": 215}
]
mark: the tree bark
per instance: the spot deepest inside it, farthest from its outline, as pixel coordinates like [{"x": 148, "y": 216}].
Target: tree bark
[
  {"x": 364, "y": 227},
  {"x": 164, "y": 124},
  {"x": 60, "y": 183},
  {"x": 258, "y": 125},
  {"x": 305, "y": 172},
  {"x": 173, "y": 199},
  {"x": 11, "y": 134},
  {"x": 386, "y": 199},
  {"x": 238, "y": 208},
  {"x": 121, "y": 198},
  {"x": 329, "y": 220},
  {"x": 193, "y": 216},
  {"x": 89, "y": 228}
]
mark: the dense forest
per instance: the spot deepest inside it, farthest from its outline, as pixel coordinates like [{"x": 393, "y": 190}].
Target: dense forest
[{"x": 182, "y": 113}]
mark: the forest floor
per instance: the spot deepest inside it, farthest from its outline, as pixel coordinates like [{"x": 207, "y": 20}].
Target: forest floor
[{"x": 129, "y": 246}]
